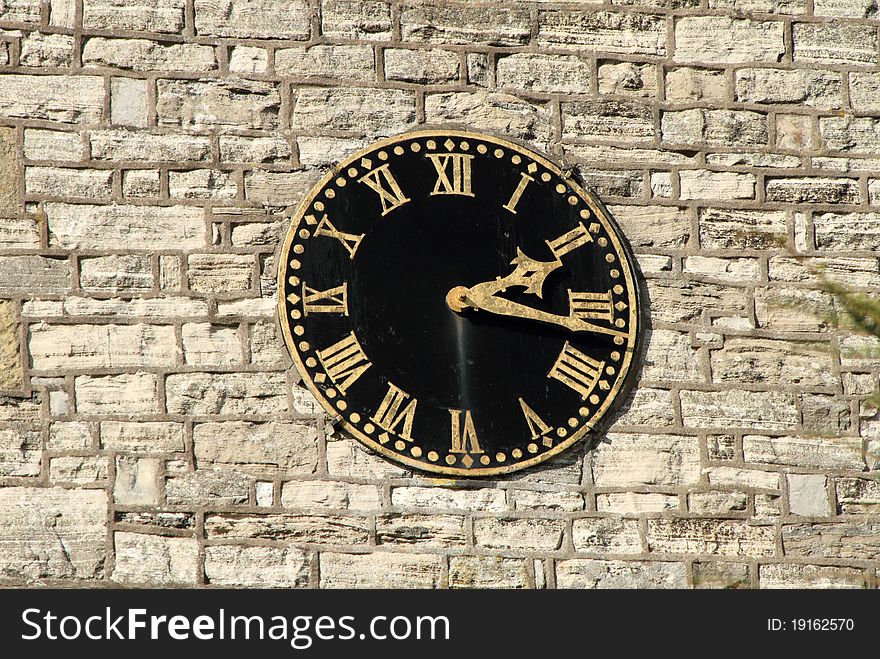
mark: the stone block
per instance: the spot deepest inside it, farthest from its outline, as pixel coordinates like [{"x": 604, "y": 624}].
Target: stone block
[{"x": 154, "y": 560}]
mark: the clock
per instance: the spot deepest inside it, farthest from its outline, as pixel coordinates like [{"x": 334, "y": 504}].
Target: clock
[{"x": 459, "y": 302}]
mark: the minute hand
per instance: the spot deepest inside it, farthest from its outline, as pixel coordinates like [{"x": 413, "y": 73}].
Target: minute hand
[{"x": 483, "y": 296}]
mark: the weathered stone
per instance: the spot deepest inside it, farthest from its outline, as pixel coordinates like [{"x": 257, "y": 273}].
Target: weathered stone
[
  {"x": 425, "y": 530},
  {"x": 379, "y": 570},
  {"x": 342, "y": 62},
  {"x": 743, "y": 229},
  {"x": 26, "y": 11},
  {"x": 69, "y": 436},
  {"x": 202, "y": 184},
  {"x": 147, "y": 16},
  {"x": 686, "y": 84},
  {"x": 142, "y": 437},
  {"x": 145, "y": 55},
  {"x": 858, "y": 496},
  {"x": 734, "y": 408},
  {"x": 129, "y": 394},
  {"x": 491, "y": 111},
  {"x": 201, "y": 394},
  {"x": 646, "y": 460},
  {"x": 220, "y": 273},
  {"x": 50, "y": 145},
  {"x": 825, "y": 414},
  {"x": 271, "y": 150},
  {"x": 608, "y": 32},
  {"x": 789, "y": 7},
  {"x": 466, "y": 25},
  {"x": 818, "y": 89},
  {"x": 846, "y": 271},
  {"x": 834, "y": 43},
  {"x": 205, "y": 344},
  {"x": 258, "y": 19},
  {"x": 309, "y": 495},
  {"x": 154, "y": 559},
  {"x": 543, "y": 500},
  {"x": 608, "y": 535},
  {"x": 793, "y": 309},
  {"x": 20, "y": 452},
  {"x": 717, "y": 503},
  {"x": 702, "y": 184},
  {"x": 359, "y": 110},
  {"x": 101, "y": 346},
  {"x": 65, "y": 99},
  {"x": 288, "y": 446},
  {"x": 840, "y": 453},
  {"x": 266, "y": 346},
  {"x": 355, "y": 19},
  {"x": 265, "y": 567},
  {"x": 122, "y": 145},
  {"x": 39, "y": 49},
  {"x": 767, "y": 360},
  {"x": 723, "y": 128},
  {"x": 112, "y": 274},
  {"x": 780, "y": 575},
  {"x": 158, "y": 520},
  {"x": 120, "y": 227},
  {"x": 523, "y": 534},
  {"x": 208, "y": 487},
  {"x": 488, "y": 572},
  {"x": 721, "y": 39},
  {"x": 226, "y": 103},
  {"x": 851, "y": 540},
  {"x": 847, "y": 231},
  {"x": 439, "y": 498},
  {"x": 613, "y": 183},
  {"x": 11, "y": 372},
  {"x": 730, "y": 270},
  {"x": 623, "y": 121},
  {"x": 248, "y": 59},
  {"x": 709, "y": 536},
  {"x": 813, "y": 190},
  {"x": 653, "y": 226},
  {"x": 137, "y": 481},
  {"x": 52, "y": 533},
  {"x": 628, "y": 79},
  {"x": 582, "y": 573},
  {"x": 422, "y": 66},
  {"x": 742, "y": 478},
  {"x": 710, "y": 574},
  {"x": 323, "y": 529},
  {"x": 631, "y": 503},
  {"x": 680, "y": 301},
  {"x": 646, "y": 407},
  {"x": 278, "y": 188},
  {"x": 807, "y": 495},
  {"x": 566, "y": 74}
]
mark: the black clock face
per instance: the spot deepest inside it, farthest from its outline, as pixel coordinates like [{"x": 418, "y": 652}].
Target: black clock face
[{"x": 462, "y": 307}]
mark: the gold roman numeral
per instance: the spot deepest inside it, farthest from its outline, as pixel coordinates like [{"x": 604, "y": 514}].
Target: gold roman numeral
[
  {"x": 383, "y": 183},
  {"x": 453, "y": 173},
  {"x": 537, "y": 427},
  {"x": 576, "y": 370},
  {"x": 344, "y": 362},
  {"x": 570, "y": 241},
  {"x": 590, "y": 306},
  {"x": 524, "y": 180},
  {"x": 464, "y": 436},
  {"x": 333, "y": 300},
  {"x": 389, "y": 415},
  {"x": 325, "y": 228}
]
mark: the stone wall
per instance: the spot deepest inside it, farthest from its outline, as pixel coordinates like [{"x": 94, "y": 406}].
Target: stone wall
[{"x": 153, "y": 434}]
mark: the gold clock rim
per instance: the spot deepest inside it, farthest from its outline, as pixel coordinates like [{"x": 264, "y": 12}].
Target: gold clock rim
[{"x": 615, "y": 233}]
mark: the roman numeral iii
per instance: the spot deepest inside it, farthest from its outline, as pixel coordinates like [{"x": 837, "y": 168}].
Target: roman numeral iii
[
  {"x": 390, "y": 415},
  {"x": 383, "y": 183},
  {"x": 576, "y": 370},
  {"x": 453, "y": 173},
  {"x": 344, "y": 362},
  {"x": 333, "y": 300},
  {"x": 464, "y": 436}
]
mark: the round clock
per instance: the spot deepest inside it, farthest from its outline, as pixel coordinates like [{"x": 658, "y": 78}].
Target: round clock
[{"x": 460, "y": 303}]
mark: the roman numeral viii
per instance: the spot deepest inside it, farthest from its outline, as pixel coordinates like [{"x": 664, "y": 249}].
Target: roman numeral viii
[
  {"x": 344, "y": 362},
  {"x": 453, "y": 173},
  {"x": 383, "y": 183},
  {"x": 576, "y": 370}
]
